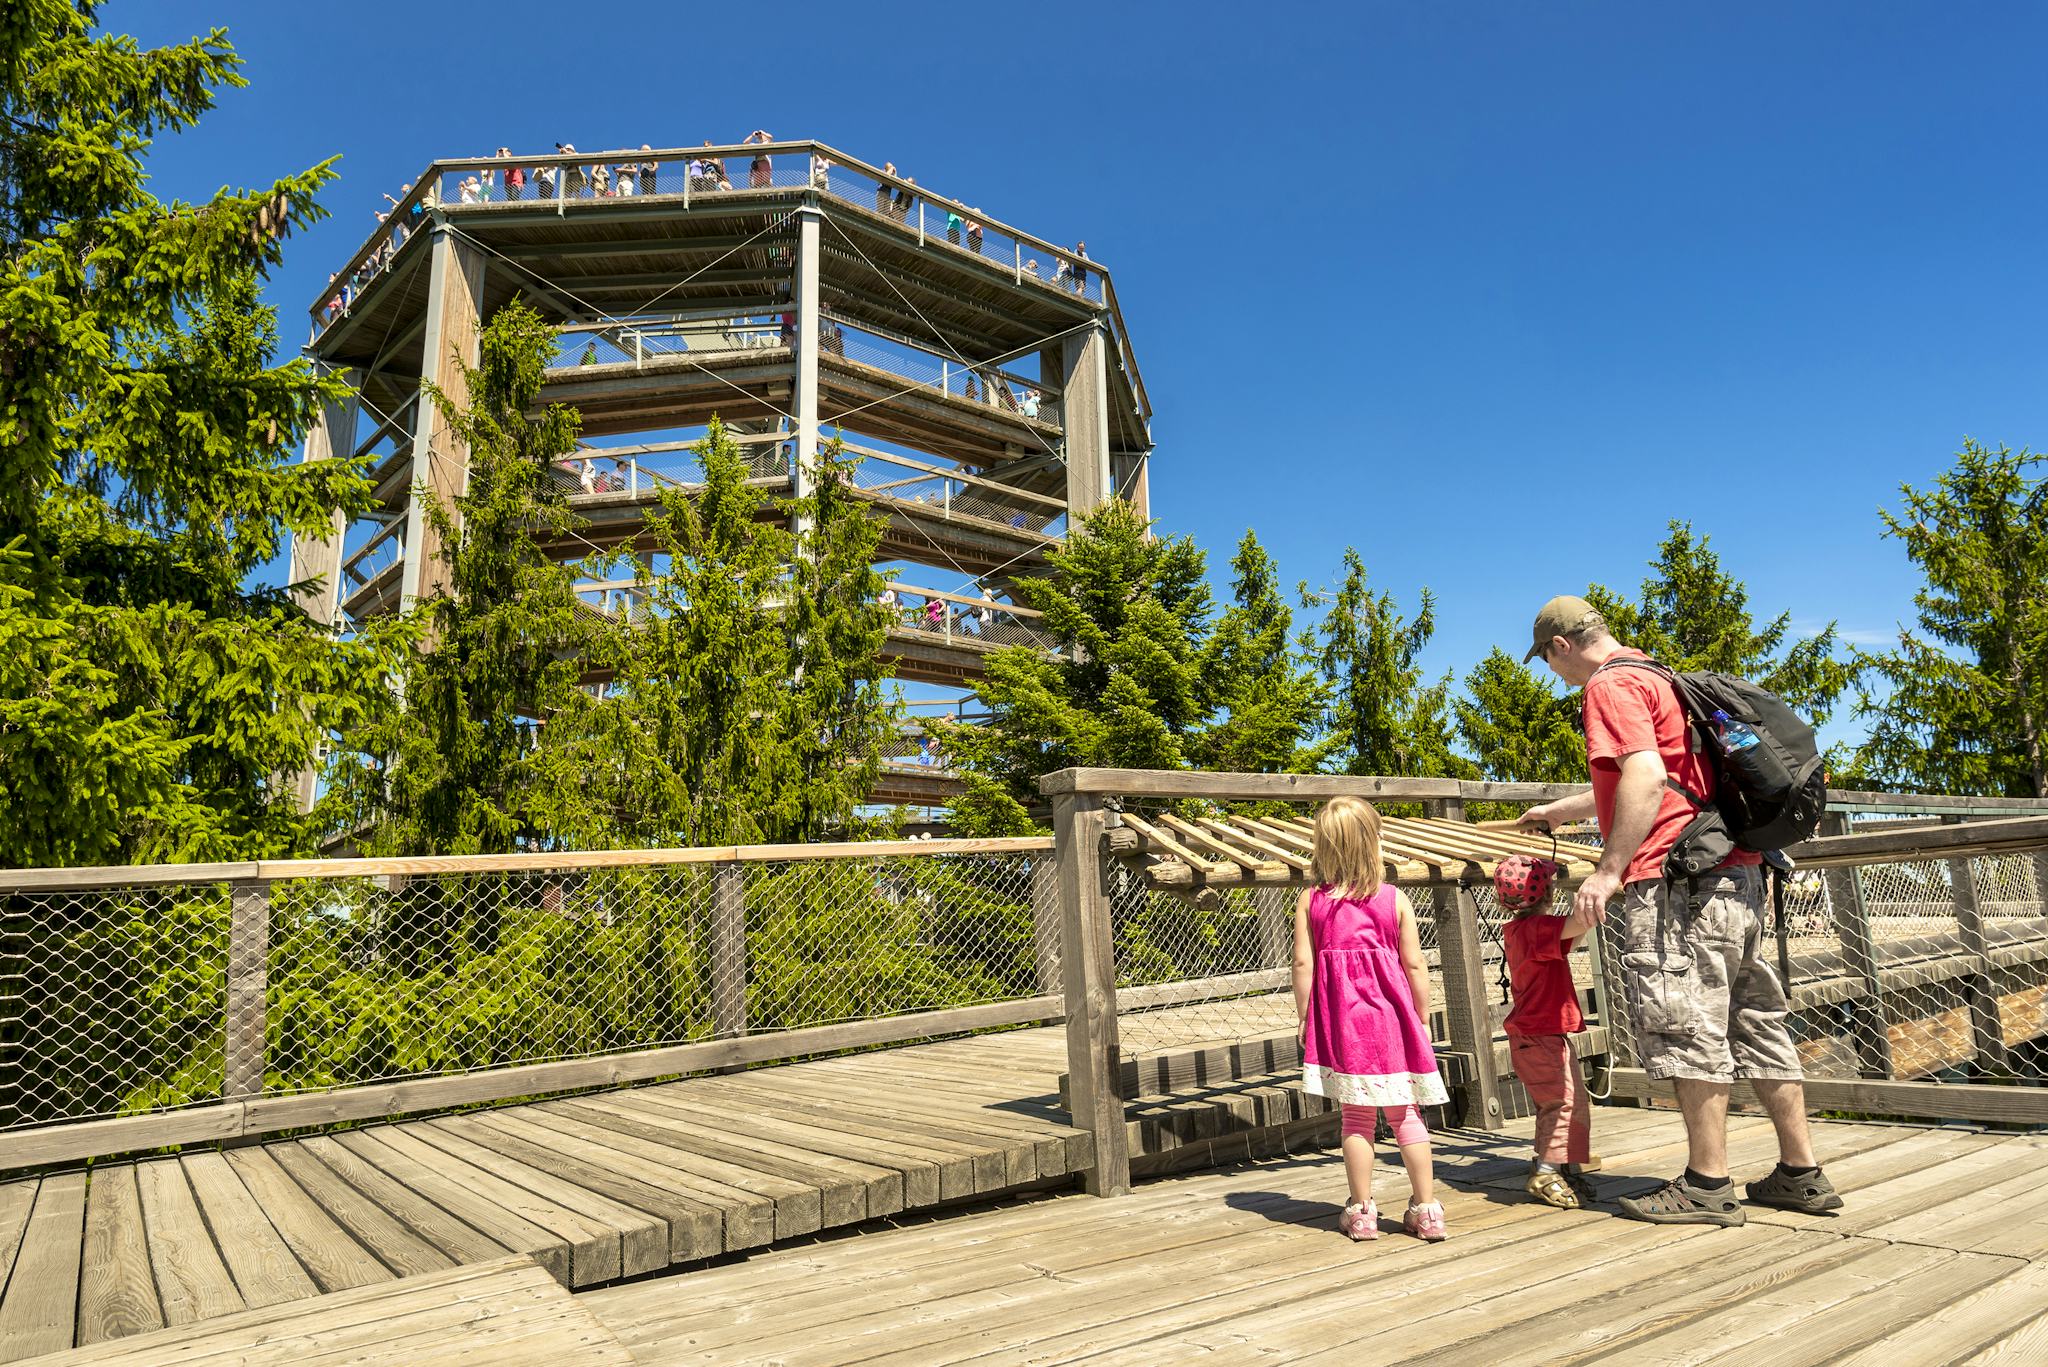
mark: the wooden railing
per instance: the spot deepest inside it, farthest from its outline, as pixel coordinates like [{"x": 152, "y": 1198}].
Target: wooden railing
[
  {"x": 254, "y": 915},
  {"x": 1086, "y": 803},
  {"x": 45, "y": 913}
]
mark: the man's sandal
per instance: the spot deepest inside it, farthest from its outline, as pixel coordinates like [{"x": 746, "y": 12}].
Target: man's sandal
[
  {"x": 1809, "y": 1194},
  {"x": 1678, "y": 1202},
  {"x": 1552, "y": 1189}
]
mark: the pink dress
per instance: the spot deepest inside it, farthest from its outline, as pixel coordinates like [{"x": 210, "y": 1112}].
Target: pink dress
[{"x": 1364, "y": 1043}]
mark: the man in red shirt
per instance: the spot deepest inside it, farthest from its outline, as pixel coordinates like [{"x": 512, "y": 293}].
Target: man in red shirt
[{"x": 1706, "y": 1006}]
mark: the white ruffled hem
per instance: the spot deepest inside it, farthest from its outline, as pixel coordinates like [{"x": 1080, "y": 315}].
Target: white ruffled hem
[{"x": 1375, "y": 1089}]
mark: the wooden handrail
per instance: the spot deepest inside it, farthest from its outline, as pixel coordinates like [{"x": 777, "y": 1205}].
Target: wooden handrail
[
  {"x": 268, "y": 870},
  {"x": 1240, "y": 787},
  {"x": 964, "y": 476},
  {"x": 1009, "y": 608}
]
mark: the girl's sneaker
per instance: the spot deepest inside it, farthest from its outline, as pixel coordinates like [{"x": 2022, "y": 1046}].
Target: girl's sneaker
[
  {"x": 1360, "y": 1222},
  {"x": 1426, "y": 1222}
]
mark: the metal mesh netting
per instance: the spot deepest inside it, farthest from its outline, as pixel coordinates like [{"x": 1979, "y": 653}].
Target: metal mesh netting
[
  {"x": 1916, "y": 970},
  {"x": 1214, "y": 965},
  {"x": 114, "y": 1001},
  {"x": 111, "y": 1001}
]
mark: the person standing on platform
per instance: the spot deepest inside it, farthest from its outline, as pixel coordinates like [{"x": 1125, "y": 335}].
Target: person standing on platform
[
  {"x": 1706, "y": 1005},
  {"x": 1361, "y": 988},
  {"x": 1539, "y": 1029},
  {"x": 650, "y": 169},
  {"x": 760, "y": 173}
]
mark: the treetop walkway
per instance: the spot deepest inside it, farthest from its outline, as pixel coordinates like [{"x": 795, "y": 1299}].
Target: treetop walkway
[{"x": 331, "y": 1020}]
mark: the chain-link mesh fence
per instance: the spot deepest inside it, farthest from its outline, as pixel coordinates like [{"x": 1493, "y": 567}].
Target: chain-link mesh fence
[
  {"x": 1214, "y": 965},
  {"x": 111, "y": 1001},
  {"x": 1926, "y": 969},
  {"x": 118, "y": 1001}
]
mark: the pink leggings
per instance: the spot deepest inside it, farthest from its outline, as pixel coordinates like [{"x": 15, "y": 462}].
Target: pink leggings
[{"x": 1406, "y": 1122}]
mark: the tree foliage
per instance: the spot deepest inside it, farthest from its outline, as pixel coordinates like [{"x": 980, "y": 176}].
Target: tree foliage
[
  {"x": 1382, "y": 718},
  {"x": 151, "y": 700},
  {"x": 747, "y": 701},
  {"x": 1961, "y": 705},
  {"x": 1128, "y": 613},
  {"x": 1269, "y": 698},
  {"x": 1517, "y": 727},
  {"x": 1691, "y": 614},
  {"x": 453, "y": 770}
]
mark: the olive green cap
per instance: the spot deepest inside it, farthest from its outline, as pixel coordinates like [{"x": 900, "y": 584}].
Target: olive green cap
[{"x": 1561, "y": 616}]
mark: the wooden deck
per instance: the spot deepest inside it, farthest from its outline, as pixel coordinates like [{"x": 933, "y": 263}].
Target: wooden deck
[
  {"x": 209, "y": 1253},
  {"x": 1936, "y": 1259},
  {"x": 591, "y": 1188},
  {"x": 507, "y": 1312}
]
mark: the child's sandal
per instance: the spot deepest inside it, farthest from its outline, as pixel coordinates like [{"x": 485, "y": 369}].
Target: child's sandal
[{"x": 1552, "y": 1190}]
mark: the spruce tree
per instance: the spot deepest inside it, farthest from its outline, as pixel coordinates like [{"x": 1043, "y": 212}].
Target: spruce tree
[
  {"x": 1268, "y": 696},
  {"x": 1691, "y": 613},
  {"x": 1129, "y": 614},
  {"x": 1517, "y": 728},
  {"x": 1381, "y": 719},
  {"x": 151, "y": 695},
  {"x": 746, "y": 703},
  {"x": 1961, "y": 706},
  {"x": 453, "y": 768}
]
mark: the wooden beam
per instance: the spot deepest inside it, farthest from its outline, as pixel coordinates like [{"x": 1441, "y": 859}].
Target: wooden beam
[
  {"x": 1837, "y": 848},
  {"x": 159, "y": 875},
  {"x": 99, "y": 1138},
  {"x": 1465, "y": 1006},
  {"x": 1240, "y": 787},
  {"x": 1914, "y": 1100}
]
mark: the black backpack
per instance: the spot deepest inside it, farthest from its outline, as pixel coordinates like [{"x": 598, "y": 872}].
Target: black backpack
[{"x": 1769, "y": 795}]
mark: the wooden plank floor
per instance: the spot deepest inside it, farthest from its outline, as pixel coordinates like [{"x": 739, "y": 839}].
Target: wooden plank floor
[
  {"x": 508, "y": 1312},
  {"x": 590, "y": 1188},
  {"x": 1937, "y": 1258}
]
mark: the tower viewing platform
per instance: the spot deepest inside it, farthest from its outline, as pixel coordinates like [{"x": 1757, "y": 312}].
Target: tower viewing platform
[{"x": 981, "y": 376}]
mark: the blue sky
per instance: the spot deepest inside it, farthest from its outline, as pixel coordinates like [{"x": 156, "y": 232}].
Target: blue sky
[{"x": 1490, "y": 292}]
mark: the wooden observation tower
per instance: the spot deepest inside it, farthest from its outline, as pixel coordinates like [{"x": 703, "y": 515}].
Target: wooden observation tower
[{"x": 980, "y": 375}]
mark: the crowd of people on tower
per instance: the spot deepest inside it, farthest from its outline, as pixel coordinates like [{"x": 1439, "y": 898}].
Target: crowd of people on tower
[{"x": 624, "y": 173}]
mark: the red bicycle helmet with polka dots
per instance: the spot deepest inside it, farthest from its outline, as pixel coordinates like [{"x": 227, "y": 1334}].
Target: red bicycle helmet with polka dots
[{"x": 1523, "y": 881}]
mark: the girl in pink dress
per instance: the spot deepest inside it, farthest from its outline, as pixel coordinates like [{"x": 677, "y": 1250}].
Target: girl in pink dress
[{"x": 1362, "y": 988}]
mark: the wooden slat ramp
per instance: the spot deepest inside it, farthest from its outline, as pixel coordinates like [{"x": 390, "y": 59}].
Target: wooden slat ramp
[
  {"x": 591, "y": 1188},
  {"x": 1937, "y": 1258},
  {"x": 508, "y": 1312}
]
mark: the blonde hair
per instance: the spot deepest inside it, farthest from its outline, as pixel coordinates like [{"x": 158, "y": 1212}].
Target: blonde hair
[{"x": 1347, "y": 848}]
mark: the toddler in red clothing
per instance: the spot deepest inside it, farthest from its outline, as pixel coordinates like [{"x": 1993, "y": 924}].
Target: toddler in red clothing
[{"x": 1545, "y": 1015}]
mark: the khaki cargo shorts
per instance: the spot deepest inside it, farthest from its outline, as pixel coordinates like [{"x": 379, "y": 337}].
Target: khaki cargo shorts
[{"x": 1705, "y": 1005}]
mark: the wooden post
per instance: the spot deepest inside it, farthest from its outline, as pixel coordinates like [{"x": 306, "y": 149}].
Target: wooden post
[
  {"x": 440, "y": 463},
  {"x": 244, "y": 1048},
  {"x": 1045, "y": 920},
  {"x": 1088, "y": 969},
  {"x": 1469, "y": 1017},
  {"x": 803, "y": 471},
  {"x": 729, "y": 949},
  {"x": 1084, "y": 415},
  {"x": 1987, "y": 1028},
  {"x": 1852, "y": 932}
]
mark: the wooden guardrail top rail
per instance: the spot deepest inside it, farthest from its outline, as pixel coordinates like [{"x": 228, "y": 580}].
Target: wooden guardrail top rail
[
  {"x": 1240, "y": 787},
  {"x": 267, "y": 870},
  {"x": 1174, "y": 853},
  {"x": 2009, "y": 836}
]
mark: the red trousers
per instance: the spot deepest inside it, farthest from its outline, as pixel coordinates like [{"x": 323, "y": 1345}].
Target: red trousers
[{"x": 1550, "y": 1075}]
